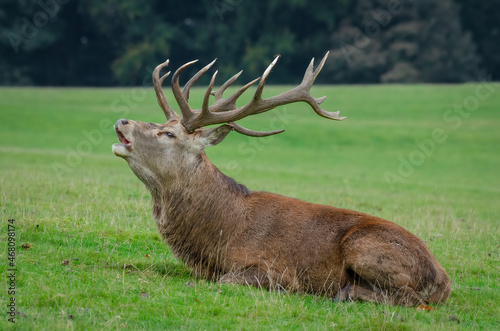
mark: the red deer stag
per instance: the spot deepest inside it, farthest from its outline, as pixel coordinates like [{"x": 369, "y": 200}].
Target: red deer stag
[{"x": 227, "y": 232}]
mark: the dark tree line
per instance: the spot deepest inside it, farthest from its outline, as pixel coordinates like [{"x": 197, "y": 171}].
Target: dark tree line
[
  {"x": 118, "y": 42},
  {"x": 404, "y": 41}
]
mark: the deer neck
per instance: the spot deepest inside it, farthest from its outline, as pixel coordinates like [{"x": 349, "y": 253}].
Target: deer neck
[
  {"x": 199, "y": 181},
  {"x": 197, "y": 209}
]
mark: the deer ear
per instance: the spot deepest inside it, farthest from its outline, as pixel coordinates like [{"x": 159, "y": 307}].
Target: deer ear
[{"x": 213, "y": 136}]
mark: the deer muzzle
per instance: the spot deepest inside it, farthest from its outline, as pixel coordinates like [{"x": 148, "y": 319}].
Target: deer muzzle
[{"x": 125, "y": 147}]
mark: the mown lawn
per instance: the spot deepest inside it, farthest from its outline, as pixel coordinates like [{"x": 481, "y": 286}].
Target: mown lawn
[{"x": 411, "y": 154}]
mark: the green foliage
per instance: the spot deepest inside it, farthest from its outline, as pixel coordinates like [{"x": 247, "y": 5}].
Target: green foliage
[
  {"x": 418, "y": 41},
  {"x": 61, "y": 42},
  {"x": 481, "y": 19},
  {"x": 74, "y": 201}
]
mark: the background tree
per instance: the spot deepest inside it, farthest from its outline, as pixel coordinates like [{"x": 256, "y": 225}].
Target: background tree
[
  {"x": 482, "y": 19},
  {"x": 418, "y": 41},
  {"x": 118, "y": 42}
]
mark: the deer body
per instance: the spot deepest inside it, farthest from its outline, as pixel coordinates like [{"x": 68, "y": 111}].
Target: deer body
[{"x": 226, "y": 232}]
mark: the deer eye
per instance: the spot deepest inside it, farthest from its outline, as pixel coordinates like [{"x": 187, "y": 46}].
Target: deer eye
[{"x": 167, "y": 133}]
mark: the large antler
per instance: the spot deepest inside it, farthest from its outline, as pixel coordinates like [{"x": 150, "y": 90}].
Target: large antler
[{"x": 225, "y": 110}]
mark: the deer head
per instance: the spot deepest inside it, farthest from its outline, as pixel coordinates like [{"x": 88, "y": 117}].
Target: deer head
[{"x": 156, "y": 150}]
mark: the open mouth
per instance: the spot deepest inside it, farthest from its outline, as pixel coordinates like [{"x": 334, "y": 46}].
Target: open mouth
[
  {"x": 125, "y": 148},
  {"x": 122, "y": 138}
]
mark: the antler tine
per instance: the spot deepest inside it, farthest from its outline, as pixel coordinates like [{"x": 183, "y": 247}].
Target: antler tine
[
  {"x": 160, "y": 96},
  {"x": 206, "y": 98},
  {"x": 185, "y": 90},
  {"x": 310, "y": 74},
  {"x": 260, "y": 87},
  {"x": 218, "y": 94},
  {"x": 240, "y": 129},
  {"x": 321, "y": 64},
  {"x": 187, "y": 113}
]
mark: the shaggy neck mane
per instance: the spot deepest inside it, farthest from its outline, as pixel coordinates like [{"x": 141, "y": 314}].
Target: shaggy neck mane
[{"x": 196, "y": 212}]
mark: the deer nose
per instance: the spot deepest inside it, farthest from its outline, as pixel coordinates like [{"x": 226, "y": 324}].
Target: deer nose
[{"x": 124, "y": 122}]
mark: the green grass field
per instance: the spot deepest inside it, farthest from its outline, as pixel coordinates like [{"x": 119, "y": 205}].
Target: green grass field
[{"x": 96, "y": 261}]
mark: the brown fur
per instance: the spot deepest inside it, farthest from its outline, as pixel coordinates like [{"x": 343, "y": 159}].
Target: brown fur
[{"x": 229, "y": 233}]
